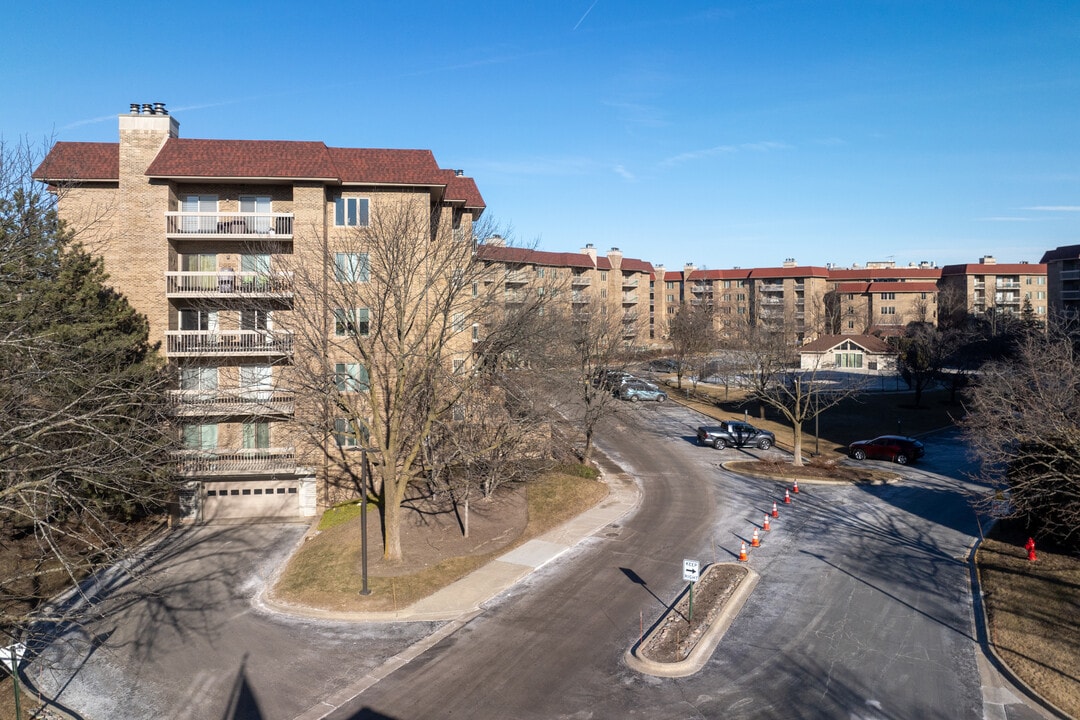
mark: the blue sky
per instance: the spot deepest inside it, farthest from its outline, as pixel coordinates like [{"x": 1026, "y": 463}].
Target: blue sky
[{"x": 726, "y": 134}]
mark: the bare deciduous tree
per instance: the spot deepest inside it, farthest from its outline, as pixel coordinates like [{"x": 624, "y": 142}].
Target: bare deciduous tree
[
  {"x": 1023, "y": 423},
  {"x": 392, "y": 324},
  {"x": 692, "y": 335}
]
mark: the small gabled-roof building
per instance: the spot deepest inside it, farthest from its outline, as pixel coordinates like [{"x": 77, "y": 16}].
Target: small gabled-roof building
[{"x": 848, "y": 353}]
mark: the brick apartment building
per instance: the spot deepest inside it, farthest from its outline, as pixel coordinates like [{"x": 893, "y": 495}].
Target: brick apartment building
[{"x": 195, "y": 232}]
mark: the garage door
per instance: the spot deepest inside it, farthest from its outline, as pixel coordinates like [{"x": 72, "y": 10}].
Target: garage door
[{"x": 251, "y": 500}]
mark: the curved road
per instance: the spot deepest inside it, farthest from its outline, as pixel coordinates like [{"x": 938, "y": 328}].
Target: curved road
[{"x": 862, "y": 611}]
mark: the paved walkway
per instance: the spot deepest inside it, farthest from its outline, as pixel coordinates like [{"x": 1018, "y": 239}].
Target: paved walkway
[{"x": 464, "y": 597}]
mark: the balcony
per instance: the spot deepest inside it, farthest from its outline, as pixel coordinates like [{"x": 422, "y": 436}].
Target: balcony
[
  {"x": 630, "y": 281},
  {"x": 579, "y": 298},
  {"x": 771, "y": 287},
  {"x": 514, "y": 297},
  {"x": 629, "y": 299},
  {"x": 580, "y": 280},
  {"x": 516, "y": 277},
  {"x": 1070, "y": 275},
  {"x": 701, "y": 288},
  {"x": 232, "y": 402},
  {"x": 256, "y": 461},
  {"x": 772, "y": 301},
  {"x": 223, "y": 285},
  {"x": 1007, "y": 285},
  {"x": 1006, "y": 299},
  {"x": 229, "y": 226},
  {"x": 230, "y": 343}
]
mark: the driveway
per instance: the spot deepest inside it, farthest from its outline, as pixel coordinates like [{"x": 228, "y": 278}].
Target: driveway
[{"x": 187, "y": 641}]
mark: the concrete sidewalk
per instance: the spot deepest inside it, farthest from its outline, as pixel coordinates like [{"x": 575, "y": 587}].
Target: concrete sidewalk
[{"x": 465, "y": 596}]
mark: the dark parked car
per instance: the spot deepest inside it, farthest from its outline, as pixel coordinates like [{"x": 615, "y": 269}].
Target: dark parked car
[
  {"x": 611, "y": 379},
  {"x": 735, "y": 434},
  {"x": 888, "y": 447},
  {"x": 634, "y": 390}
]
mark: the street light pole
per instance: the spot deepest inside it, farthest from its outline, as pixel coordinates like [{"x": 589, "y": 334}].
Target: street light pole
[{"x": 364, "y": 590}]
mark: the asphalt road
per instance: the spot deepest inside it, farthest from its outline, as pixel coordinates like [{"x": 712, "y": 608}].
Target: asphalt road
[{"x": 863, "y": 611}]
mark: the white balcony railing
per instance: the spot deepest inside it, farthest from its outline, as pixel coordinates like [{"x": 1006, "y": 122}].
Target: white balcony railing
[
  {"x": 235, "y": 225},
  {"x": 181, "y": 343},
  {"x": 581, "y": 280},
  {"x": 228, "y": 284},
  {"x": 255, "y": 461},
  {"x": 629, "y": 299},
  {"x": 232, "y": 401},
  {"x": 516, "y": 277},
  {"x": 630, "y": 281}
]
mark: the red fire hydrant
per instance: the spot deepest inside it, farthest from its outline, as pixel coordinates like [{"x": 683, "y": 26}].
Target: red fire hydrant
[{"x": 1030, "y": 547}]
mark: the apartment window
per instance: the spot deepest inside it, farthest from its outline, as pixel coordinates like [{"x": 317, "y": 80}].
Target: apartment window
[
  {"x": 352, "y": 322},
  {"x": 1027, "y": 280},
  {"x": 670, "y": 285},
  {"x": 603, "y": 276},
  {"x": 259, "y": 206},
  {"x": 458, "y": 321},
  {"x": 1042, "y": 281},
  {"x": 888, "y": 310},
  {"x": 741, "y": 310},
  {"x": 351, "y": 212},
  {"x": 206, "y": 221},
  {"x": 351, "y": 267},
  {"x": 475, "y": 289},
  {"x": 350, "y": 377},
  {"x": 888, "y": 296},
  {"x": 476, "y": 331},
  {"x": 851, "y": 324},
  {"x": 1040, "y": 310},
  {"x": 850, "y": 310},
  {"x": 603, "y": 292},
  {"x": 344, "y": 435},
  {"x": 198, "y": 320},
  {"x": 459, "y": 365},
  {"x": 256, "y": 435},
  {"x": 256, "y": 382},
  {"x": 740, "y": 297},
  {"x": 727, "y": 297},
  {"x": 922, "y": 296},
  {"x": 671, "y": 298},
  {"x": 670, "y": 310},
  {"x": 255, "y": 320},
  {"x": 727, "y": 284},
  {"x": 1040, "y": 295},
  {"x": 1027, "y": 296},
  {"x": 201, "y": 380},
  {"x": 539, "y": 272},
  {"x": 200, "y": 437}
]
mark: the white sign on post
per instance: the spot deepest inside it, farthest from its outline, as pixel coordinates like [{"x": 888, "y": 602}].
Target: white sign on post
[
  {"x": 12, "y": 655},
  {"x": 690, "y": 570}
]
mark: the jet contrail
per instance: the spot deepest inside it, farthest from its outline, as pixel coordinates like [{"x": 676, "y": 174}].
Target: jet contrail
[{"x": 586, "y": 14}]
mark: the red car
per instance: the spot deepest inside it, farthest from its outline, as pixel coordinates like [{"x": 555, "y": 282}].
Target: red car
[{"x": 901, "y": 450}]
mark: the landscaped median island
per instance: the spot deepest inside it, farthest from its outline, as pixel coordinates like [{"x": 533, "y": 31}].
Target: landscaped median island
[{"x": 681, "y": 642}]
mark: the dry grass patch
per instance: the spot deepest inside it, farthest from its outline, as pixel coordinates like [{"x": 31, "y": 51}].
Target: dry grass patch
[
  {"x": 1033, "y": 609},
  {"x": 325, "y": 572},
  {"x": 815, "y": 469}
]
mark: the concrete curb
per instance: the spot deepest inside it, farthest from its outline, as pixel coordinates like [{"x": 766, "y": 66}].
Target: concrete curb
[
  {"x": 467, "y": 595},
  {"x": 705, "y": 648},
  {"x": 982, "y": 633}
]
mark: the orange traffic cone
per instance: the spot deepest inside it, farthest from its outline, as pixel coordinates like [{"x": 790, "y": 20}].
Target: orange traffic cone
[
  {"x": 755, "y": 540},
  {"x": 742, "y": 553},
  {"x": 795, "y": 488},
  {"x": 787, "y": 497},
  {"x": 775, "y": 512},
  {"x": 766, "y": 525}
]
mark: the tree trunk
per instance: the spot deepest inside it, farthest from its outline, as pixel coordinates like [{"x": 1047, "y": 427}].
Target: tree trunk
[
  {"x": 391, "y": 522},
  {"x": 797, "y": 446}
]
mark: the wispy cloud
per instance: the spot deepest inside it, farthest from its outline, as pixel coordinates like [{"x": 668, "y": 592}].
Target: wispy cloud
[
  {"x": 639, "y": 114},
  {"x": 536, "y": 166},
  {"x": 1054, "y": 208},
  {"x": 624, "y": 173},
  {"x": 1005, "y": 218},
  {"x": 766, "y": 146}
]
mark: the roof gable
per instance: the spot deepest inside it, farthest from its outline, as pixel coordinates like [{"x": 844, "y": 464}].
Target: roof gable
[{"x": 68, "y": 161}]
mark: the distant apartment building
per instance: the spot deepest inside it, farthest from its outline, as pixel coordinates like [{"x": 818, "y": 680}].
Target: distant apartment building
[
  {"x": 1063, "y": 280},
  {"x": 618, "y": 285},
  {"x": 989, "y": 289},
  {"x": 195, "y": 233}
]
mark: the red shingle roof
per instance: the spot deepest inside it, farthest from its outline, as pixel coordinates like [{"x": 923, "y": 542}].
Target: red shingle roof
[
  {"x": 995, "y": 269},
  {"x": 69, "y": 161},
  {"x": 790, "y": 272},
  {"x": 870, "y": 274},
  {"x": 242, "y": 159},
  {"x": 824, "y": 343},
  {"x": 525, "y": 256},
  {"x": 284, "y": 159},
  {"x": 632, "y": 265}
]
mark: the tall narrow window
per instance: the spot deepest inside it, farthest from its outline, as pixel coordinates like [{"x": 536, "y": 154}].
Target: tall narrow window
[
  {"x": 351, "y": 212},
  {"x": 352, "y": 322},
  {"x": 256, "y": 435},
  {"x": 351, "y": 267},
  {"x": 257, "y": 213},
  {"x": 344, "y": 435},
  {"x": 200, "y": 437},
  {"x": 350, "y": 377},
  {"x": 256, "y": 382},
  {"x": 199, "y": 214}
]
